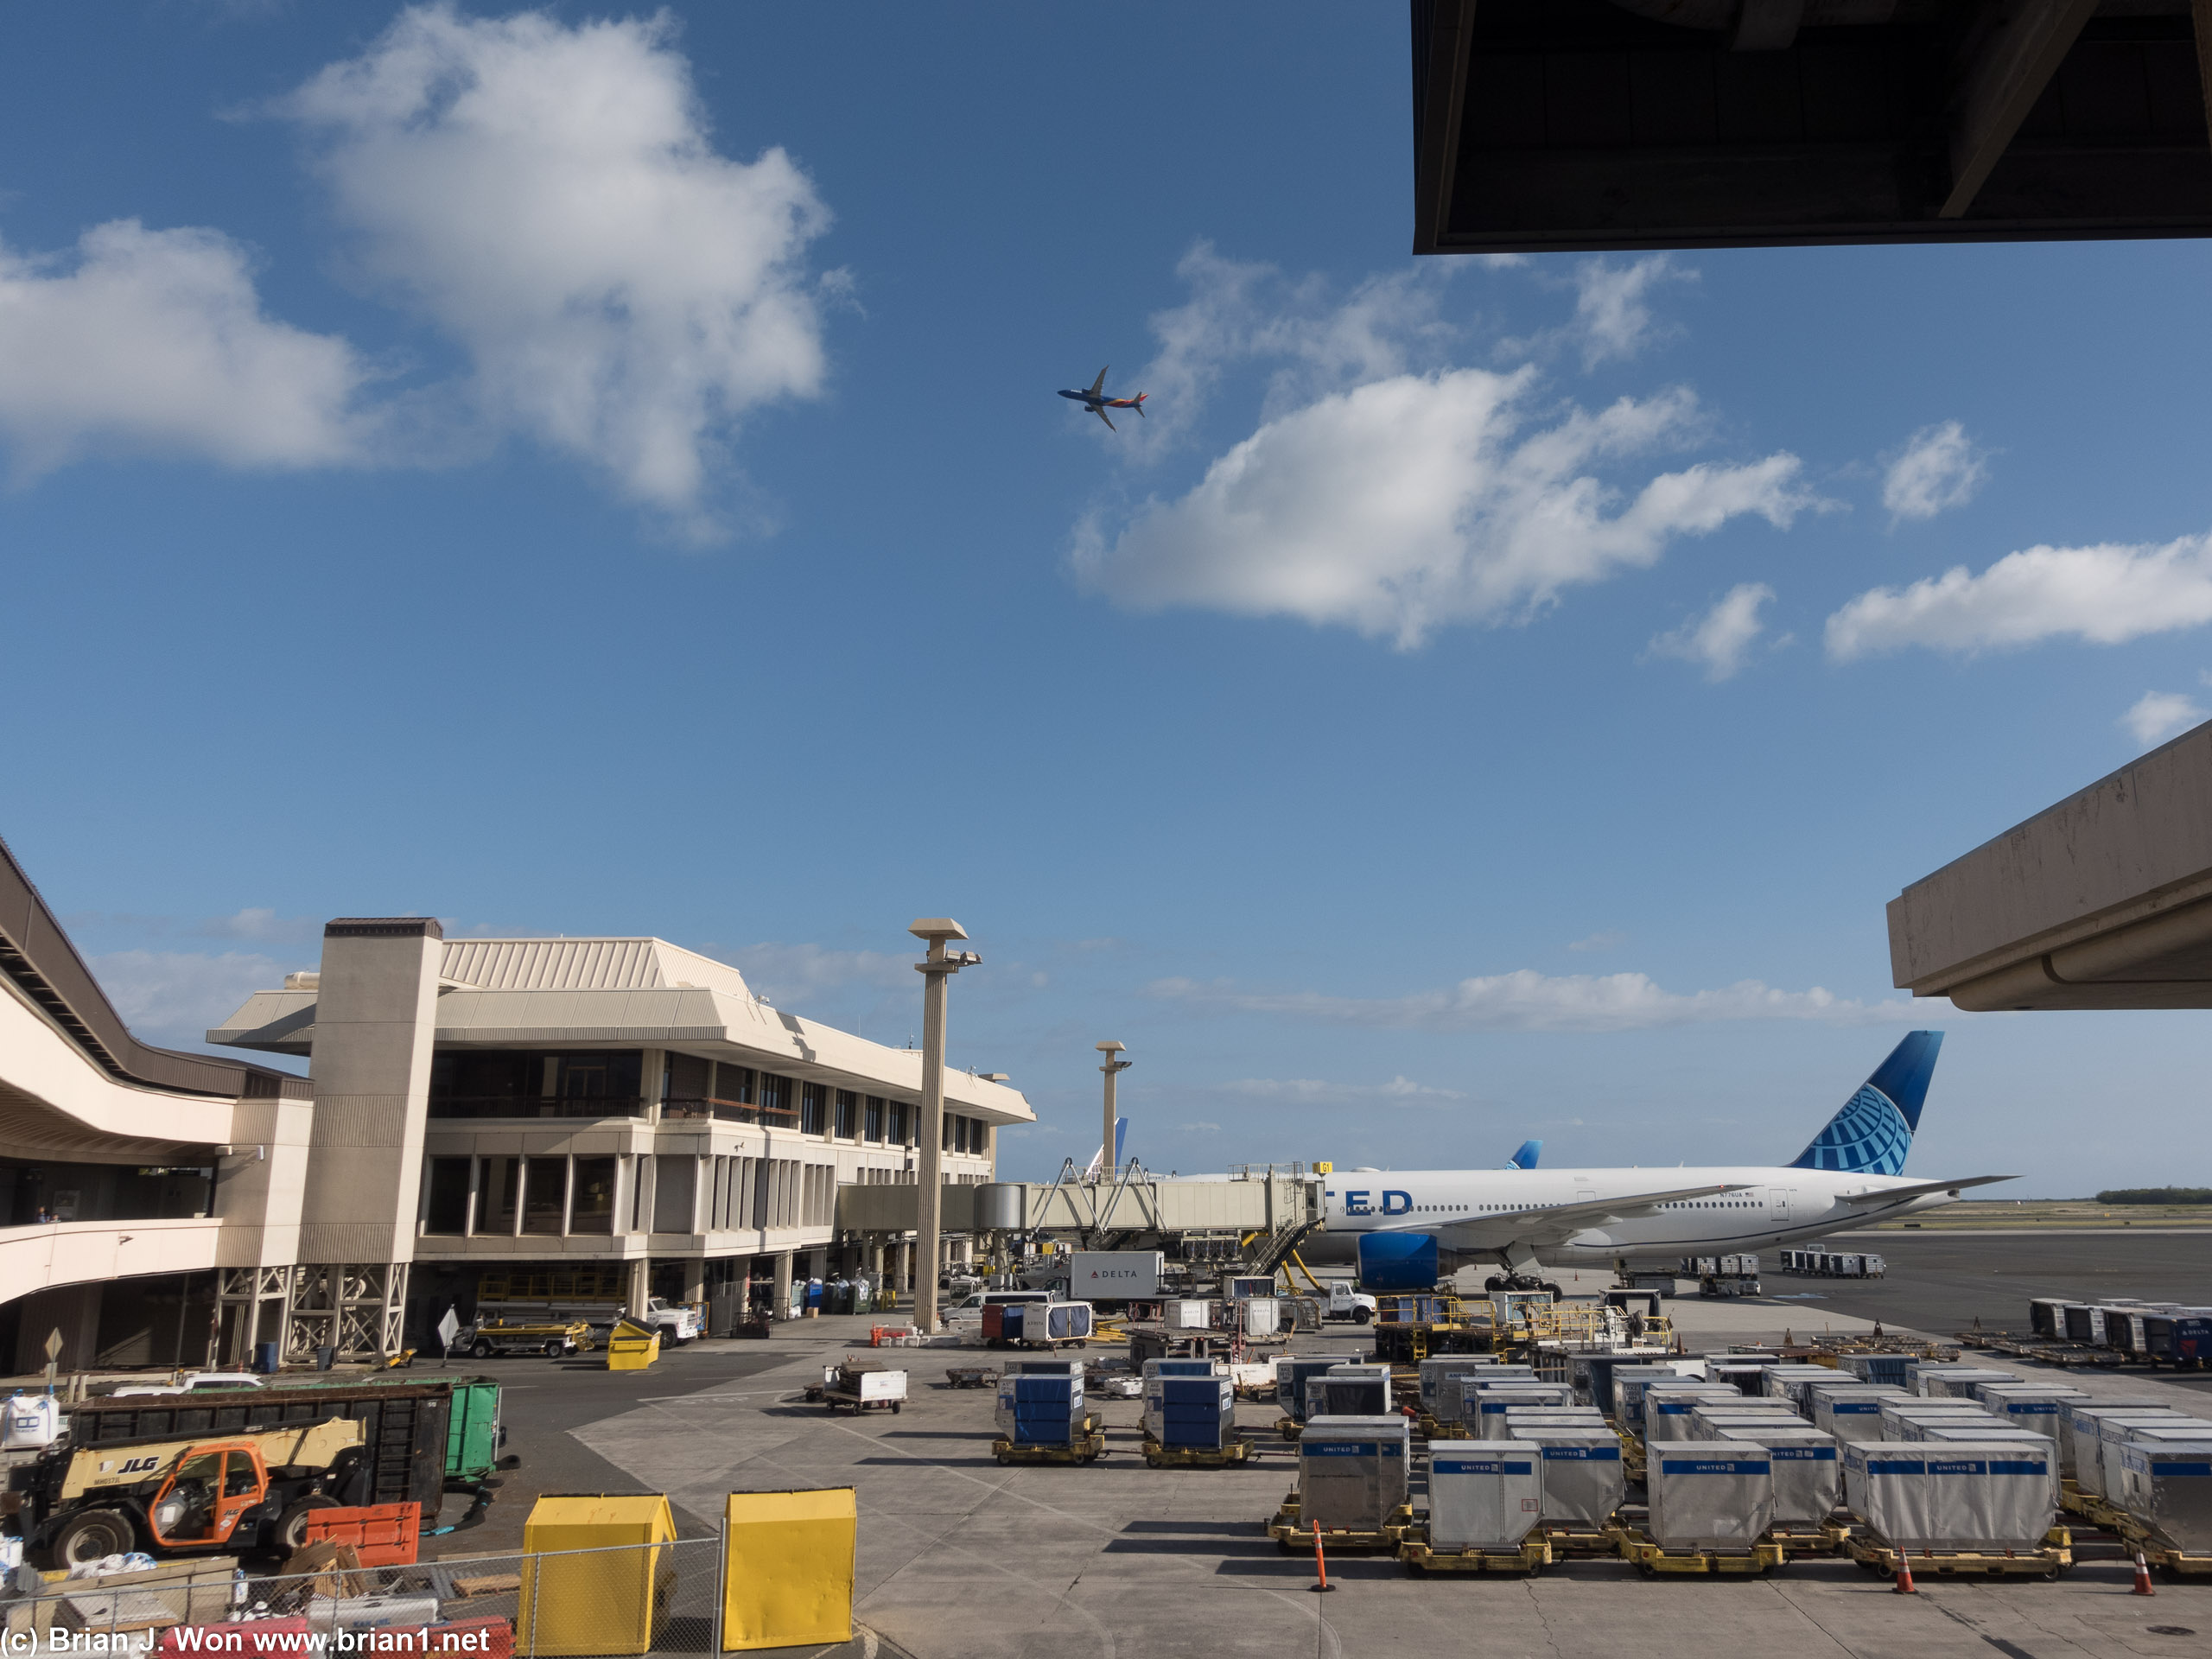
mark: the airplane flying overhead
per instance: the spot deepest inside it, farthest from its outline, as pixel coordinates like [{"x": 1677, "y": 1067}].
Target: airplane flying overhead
[
  {"x": 1097, "y": 403},
  {"x": 1408, "y": 1229}
]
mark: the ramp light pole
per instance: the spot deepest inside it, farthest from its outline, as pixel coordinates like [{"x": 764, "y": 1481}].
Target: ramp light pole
[
  {"x": 1114, "y": 1067},
  {"x": 929, "y": 1194}
]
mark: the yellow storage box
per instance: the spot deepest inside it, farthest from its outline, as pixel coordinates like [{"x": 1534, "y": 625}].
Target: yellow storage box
[
  {"x": 632, "y": 1347},
  {"x": 788, "y": 1581},
  {"x": 597, "y": 1604}
]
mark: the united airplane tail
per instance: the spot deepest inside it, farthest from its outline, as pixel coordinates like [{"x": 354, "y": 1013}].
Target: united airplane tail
[
  {"x": 1874, "y": 1132},
  {"x": 1526, "y": 1157}
]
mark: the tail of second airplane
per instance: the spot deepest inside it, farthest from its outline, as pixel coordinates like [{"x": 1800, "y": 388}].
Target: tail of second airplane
[
  {"x": 1874, "y": 1132},
  {"x": 1526, "y": 1157}
]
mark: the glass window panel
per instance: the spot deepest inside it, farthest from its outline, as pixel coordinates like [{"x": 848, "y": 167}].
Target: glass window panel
[
  {"x": 594, "y": 1211},
  {"x": 546, "y": 1203},
  {"x": 445, "y": 1210}
]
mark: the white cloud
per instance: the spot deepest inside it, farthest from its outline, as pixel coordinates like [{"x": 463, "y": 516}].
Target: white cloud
[
  {"x": 176, "y": 996},
  {"x": 1528, "y": 1000},
  {"x": 1613, "y": 314},
  {"x": 1939, "y": 467},
  {"x": 260, "y": 924},
  {"x": 1311, "y": 1091},
  {"x": 155, "y": 342},
  {"x": 1720, "y": 638},
  {"x": 1605, "y": 941},
  {"x": 1417, "y": 501},
  {"x": 1197, "y": 1128},
  {"x": 778, "y": 972},
  {"x": 549, "y": 198},
  {"x": 2104, "y": 594},
  {"x": 2159, "y": 715}
]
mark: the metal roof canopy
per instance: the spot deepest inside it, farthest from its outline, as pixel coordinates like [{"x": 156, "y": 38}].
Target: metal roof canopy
[
  {"x": 1541, "y": 125},
  {"x": 2103, "y": 901}
]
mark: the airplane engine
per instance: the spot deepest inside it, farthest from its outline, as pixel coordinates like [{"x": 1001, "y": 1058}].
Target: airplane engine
[{"x": 1411, "y": 1262}]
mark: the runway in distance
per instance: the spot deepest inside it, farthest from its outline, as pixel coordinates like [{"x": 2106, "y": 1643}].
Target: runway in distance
[
  {"x": 1408, "y": 1229},
  {"x": 1097, "y": 403}
]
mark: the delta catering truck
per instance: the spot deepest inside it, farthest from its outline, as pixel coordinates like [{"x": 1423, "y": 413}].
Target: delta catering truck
[{"x": 1113, "y": 1276}]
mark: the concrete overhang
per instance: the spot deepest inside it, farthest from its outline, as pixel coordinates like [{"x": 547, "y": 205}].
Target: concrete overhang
[{"x": 2103, "y": 901}]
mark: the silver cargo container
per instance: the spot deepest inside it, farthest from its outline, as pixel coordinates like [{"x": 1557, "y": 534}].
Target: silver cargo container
[
  {"x": 1583, "y": 1475},
  {"x": 1705, "y": 1424},
  {"x": 1484, "y": 1496},
  {"x": 1853, "y": 1414},
  {"x": 1521, "y": 1417},
  {"x": 1897, "y": 1413},
  {"x": 1629, "y": 1382},
  {"x": 1790, "y": 1381},
  {"x": 1962, "y": 1383},
  {"x": 1667, "y": 1412},
  {"x": 2096, "y": 1463},
  {"x": 2078, "y": 1437},
  {"x": 1807, "y": 1473},
  {"x": 1348, "y": 1391},
  {"x": 1710, "y": 1496},
  {"x": 2036, "y": 1406},
  {"x": 1491, "y": 1401},
  {"x": 1930, "y": 1496},
  {"x": 2116, "y": 1436},
  {"x": 1352, "y": 1472},
  {"x": 1291, "y": 1373},
  {"x": 1433, "y": 1371},
  {"x": 2167, "y": 1485}
]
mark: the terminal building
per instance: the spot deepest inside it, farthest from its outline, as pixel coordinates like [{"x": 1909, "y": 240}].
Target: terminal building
[{"x": 550, "y": 1119}]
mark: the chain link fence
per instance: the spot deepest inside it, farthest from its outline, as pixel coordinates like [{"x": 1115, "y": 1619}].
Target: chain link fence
[{"x": 629, "y": 1599}]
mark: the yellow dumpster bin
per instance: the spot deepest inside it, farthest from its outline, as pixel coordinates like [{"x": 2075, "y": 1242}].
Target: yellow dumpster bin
[
  {"x": 632, "y": 1347},
  {"x": 788, "y": 1579},
  {"x": 603, "y": 1603}
]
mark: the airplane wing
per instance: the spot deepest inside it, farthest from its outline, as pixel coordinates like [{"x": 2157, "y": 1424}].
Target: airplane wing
[
  {"x": 1559, "y": 1219},
  {"x": 1100, "y": 382},
  {"x": 1887, "y": 1193},
  {"x": 1101, "y": 414}
]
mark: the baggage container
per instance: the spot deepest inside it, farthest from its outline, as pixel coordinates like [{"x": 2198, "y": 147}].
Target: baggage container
[
  {"x": 1492, "y": 1400},
  {"x": 1583, "y": 1475},
  {"x": 1709, "y": 1498},
  {"x": 1058, "y": 1322},
  {"x": 1261, "y": 1315},
  {"x": 1746, "y": 1376},
  {"x": 1433, "y": 1371},
  {"x": 1667, "y": 1412},
  {"x": 1041, "y": 1410},
  {"x": 1199, "y": 1367},
  {"x": 1807, "y": 1471},
  {"x": 1348, "y": 1391},
  {"x": 2080, "y": 1441},
  {"x": 2182, "y": 1335},
  {"x": 1990, "y": 1498},
  {"x": 1189, "y": 1316},
  {"x": 1485, "y": 1498},
  {"x": 2047, "y": 1316},
  {"x": 1352, "y": 1472},
  {"x": 2038, "y": 1406},
  {"x": 1115, "y": 1275},
  {"x": 1942, "y": 1434},
  {"x": 1458, "y": 1397},
  {"x": 2096, "y": 1463},
  {"x": 2117, "y": 1437},
  {"x": 1628, "y": 1386},
  {"x": 1897, "y": 1414},
  {"x": 1894, "y": 1371},
  {"x": 1593, "y": 1378},
  {"x": 1706, "y": 1424},
  {"x": 2167, "y": 1485},
  {"x": 1790, "y": 1381},
  {"x": 1191, "y": 1413},
  {"x": 1853, "y": 1414},
  {"x": 1960, "y": 1382},
  {"x": 1292, "y": 1373},
  {"x": 1055, "y": 1367}
]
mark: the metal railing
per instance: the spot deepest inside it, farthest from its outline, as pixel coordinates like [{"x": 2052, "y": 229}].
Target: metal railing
[
  {"x": 538, "y": 1106},
  {"x": 729, "y": 1111},
  {"x": 627, "y": 1598}
]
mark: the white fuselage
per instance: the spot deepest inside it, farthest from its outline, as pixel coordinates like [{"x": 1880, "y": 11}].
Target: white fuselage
[{"x": 1482, "y": 1211}]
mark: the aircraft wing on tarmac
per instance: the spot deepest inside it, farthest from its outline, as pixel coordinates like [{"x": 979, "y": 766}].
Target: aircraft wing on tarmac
[
  {"x": 1549, "y": 1224},
  {"x": 1890, "y": 1194}
]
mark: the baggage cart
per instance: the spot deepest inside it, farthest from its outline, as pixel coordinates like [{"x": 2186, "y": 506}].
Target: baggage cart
[
  {"x": 1085, "y": 1448},
  {"x": 1230, "y": 1453},
  {"x": 1875, "y": 1554},
  {"x": 1292, "y": 1537},
  {"x": 1651, "y": 1560},
  {"x": 860, "y": 1386},
  {"x": 1533, "y": 1555}
]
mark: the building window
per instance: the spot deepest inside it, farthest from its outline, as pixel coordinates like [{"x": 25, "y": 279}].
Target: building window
[
  {"x": 872, "y": 1118},
  {"x": 811, "y": 1115},
  {"x": 849, "y": 1112},
  {"x": 775, "y": 1092},
  {"x": 537, "y": 1082},
  {"x": 674, "y": 1178},
  {"x": 593, "y": 1210},
  {"x": 545, "y": 1207},
  {"x": 445, "y": 1208},
  {"x": 499, "y": 1185},
  {"x": 734, "y": 1084},
  {"x": 900, "y": 1117}
]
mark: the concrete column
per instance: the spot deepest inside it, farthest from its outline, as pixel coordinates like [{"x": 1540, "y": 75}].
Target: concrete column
[
  {"x": 640, "y": 1288},
  {"x": 936, "y": 970},
  {"x": 694, "y": 1279},
  {"x": 785, "y": 1267},
  {"x": 374, "y": 1024}
]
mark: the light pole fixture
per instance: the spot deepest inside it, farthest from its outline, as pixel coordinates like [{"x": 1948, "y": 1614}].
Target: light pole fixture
[
  {"x": 929, "y": 1193},
  {"x": 1114, "y": 1067}
]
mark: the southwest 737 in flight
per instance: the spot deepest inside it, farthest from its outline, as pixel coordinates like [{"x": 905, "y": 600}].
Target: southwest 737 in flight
[{"x": 1097, "y": 403}]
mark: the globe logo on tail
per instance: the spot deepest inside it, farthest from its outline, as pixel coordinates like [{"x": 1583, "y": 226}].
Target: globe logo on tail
[{"x": 1869, "y": 1136}]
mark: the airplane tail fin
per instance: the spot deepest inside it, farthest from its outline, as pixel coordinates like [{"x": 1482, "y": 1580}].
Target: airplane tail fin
[
  {"x": 1526, "y": 1157},
  {"x": 1874, "y": 1132},
  {"x": 1139, "y": 404}
]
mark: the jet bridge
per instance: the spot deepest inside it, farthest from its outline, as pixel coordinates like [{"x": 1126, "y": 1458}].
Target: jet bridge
[{"x": 1134, "y": 1210}]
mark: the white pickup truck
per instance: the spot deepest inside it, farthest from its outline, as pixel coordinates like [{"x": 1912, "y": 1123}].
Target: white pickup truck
[{"x": 676, "y": 1321}]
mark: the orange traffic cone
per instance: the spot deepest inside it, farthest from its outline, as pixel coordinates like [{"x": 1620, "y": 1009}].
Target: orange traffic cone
[
  {"x": 2143, "y": 1576},
  {"x": 1320, "y": 1564},
  {"x": 1903, "y": 1585}
]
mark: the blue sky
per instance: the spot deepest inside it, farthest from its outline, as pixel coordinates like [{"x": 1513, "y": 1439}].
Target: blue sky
[{"x": 567, "y": 471}]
